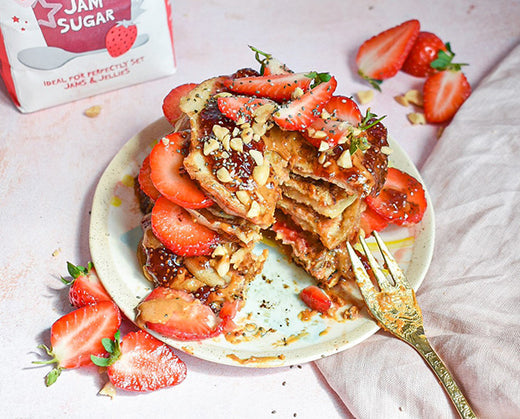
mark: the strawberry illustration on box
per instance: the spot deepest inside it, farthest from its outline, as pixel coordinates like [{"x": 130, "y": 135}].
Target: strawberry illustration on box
[{"x": 72, "y": 28}]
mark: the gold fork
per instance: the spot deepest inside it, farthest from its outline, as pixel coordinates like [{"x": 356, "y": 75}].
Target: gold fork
[{"x": 396, "y": 310}]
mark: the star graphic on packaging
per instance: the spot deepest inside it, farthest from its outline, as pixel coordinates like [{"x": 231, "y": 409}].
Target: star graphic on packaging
[
  {"x": 16, "y": 19},
  {"x": 42, "y": 7}
]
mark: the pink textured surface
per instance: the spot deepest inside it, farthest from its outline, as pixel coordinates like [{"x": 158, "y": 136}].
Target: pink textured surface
[{"x": 51, "y": 161}]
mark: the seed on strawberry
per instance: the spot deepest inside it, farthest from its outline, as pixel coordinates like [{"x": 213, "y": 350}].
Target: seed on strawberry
[
  {"x": 120, "y": 38},
  {"x": 299, "y": 113},
  {"x": 85, "y": 286},
  {"x": 140, "y": 362},
  {"x": 383, "y": 55},
  {"x": 77, "y": 335}
]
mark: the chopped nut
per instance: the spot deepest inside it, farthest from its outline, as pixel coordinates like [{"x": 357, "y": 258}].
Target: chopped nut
[
  {"x": 416, "y": 118},
  {"x": 324, "y": 145},
  {"x": 262, "y": 113},
  {"x": 223, "y": 266},
  {"x": 414, "y": 97},
  {"x": 386, "y": 150},
  {"x": 298, "y": 92},
  {"x": 257, "y": 156},
  {"x": 236, "y": 144},
  {"x": 402, "y": 100},
  {"x": 321, "y": 158},
  {"x": 241, "y": 120},
  {"x": 225, "y": 141},
  {"x": 224, "y": 155},
  {"x": 254, "y": 210},
  {"x": 365, "y": 96},
  {"x": 325, "y": 114},
  {"x": 210, "y": 146},
  {"x": 223, "y": 94},
  {"x": 108, "y": 390},
  {"x": 256, "y": 137},
  {"x": 165, "y": 140},
  {"x": 223, "y": 175},
  {"x": 219, "y": 251},
  {"x": 93, "y": 111},
  {"x": 238, "y": 257},
  {"x": 261, "y": 174},
  {"x": 344, "y": 160},
  {"x": 327, "y": 164},
  {"x": 247, "y": 135},
  {"x": 220, "y": 131},
  {"x": 319, "y": 135},
  {"x": 243, "y": 197},
  {"x": 236, "y": 132},
  {"x": 259, "y": 129}
]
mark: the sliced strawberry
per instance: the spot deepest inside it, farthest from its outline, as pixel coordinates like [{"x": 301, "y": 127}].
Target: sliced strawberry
[
  {"x": 372, "y": 221},
  {"x": 383, "y": 55},
  {"x": 241, "y": 107},
  {"x": 145, "y": 180},
  {"x": 402, "y": 200},
  {"x": 171, "y": 102},
  {"x": 315, "y": 298},
  {"x": 77, "y": 335},
  {"x": 168, "y": 176},
  {"x": 140, "y": 362},
  {"x": 299, "y": 113},
  {"x": 278, "y": 87},
  {"x": 269, "y": 64},
  {"x": 177, "y": 230},
  {"x": 424, "y": 50},
  {"x": 85, "y": 286},
  {"x": 179, "y": 315},
  {"x": 444, "y": 93},
  {"x": 341, "y": 114}
]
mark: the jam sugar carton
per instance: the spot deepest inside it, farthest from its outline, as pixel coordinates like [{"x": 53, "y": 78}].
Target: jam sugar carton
[{"x": 57, "y": 51}]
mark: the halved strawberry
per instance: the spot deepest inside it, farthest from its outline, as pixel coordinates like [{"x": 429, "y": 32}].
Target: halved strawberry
[
  {"x": 372, "y": 221},
  {"x": 383, "y": 55},
  {"x": 77, "y": 335},
  {"x": 241, "y": 107},
  {"x": 341, "y": 114},
  {"x": 423, "y": 52},
  {"x": 269, "y": 64},
  {"x": 177, "y": 230},
  {"x": 179, "y": 315},
  {"x": 444, "y": 93},
  {"x": 299, "y": 113},
  {"x": 140, "y": 362},
  {"x": 402, "y": 199},
  {"x": 278, "y": 87},
  {"x": 170, "y": 107},
  {"x": 316, "y": 298},
  {"x": 145, "y": 181},
  {"x": 168, "y": 176},
  {"x": 85, "y": 286}
]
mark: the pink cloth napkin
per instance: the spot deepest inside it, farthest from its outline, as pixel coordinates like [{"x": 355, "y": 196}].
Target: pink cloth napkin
[{"x": 470, "y": 297}]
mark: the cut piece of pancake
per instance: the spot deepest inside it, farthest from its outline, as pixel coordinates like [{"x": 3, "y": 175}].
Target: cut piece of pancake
[
  {"x": 364, "y": 174},
  {"x": 326, "y": 266},
  {"x": 227, "y": 159},
  {"x": 332, "y": 232}
]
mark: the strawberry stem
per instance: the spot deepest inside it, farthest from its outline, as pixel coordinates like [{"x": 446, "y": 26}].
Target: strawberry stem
[
  {"x": 53, "y": 375},
  {"x": 113, "y": 347},
  {"x": 444, "y": 60},
  {"x": 375, "y": 83},
  {"x": 263, "y": 61},
  {"x": 318, "y": 78}
]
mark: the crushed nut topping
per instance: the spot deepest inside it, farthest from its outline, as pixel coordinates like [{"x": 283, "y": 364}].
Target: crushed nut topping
[{"x": 223, "y": 175}]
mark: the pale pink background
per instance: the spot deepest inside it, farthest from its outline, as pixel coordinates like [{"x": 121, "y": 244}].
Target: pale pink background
[{"x": 51, "y": 161}]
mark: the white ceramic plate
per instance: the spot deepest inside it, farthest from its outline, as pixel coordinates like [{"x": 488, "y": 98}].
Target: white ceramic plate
[{"x": 272, "y": 333}]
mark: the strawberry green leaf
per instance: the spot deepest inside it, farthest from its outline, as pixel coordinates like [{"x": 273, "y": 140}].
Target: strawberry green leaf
[{"x": 444, "y": 60}]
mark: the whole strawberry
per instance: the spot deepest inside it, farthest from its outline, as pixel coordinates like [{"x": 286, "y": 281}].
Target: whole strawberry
[
  {"x": 425, "y": 50},
  {"x": 120, "y": 38},
  {"x": 140, "y": 362}
]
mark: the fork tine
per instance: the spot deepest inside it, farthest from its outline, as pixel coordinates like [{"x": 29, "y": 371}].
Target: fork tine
[
  {"x": 363, "y": 280},
  {"x": 381, "y": 278},
  {"x": 392, "y": 265}
]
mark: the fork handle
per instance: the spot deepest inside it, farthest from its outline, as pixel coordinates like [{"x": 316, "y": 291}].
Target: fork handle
[{"x": 420, "y": 343}]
